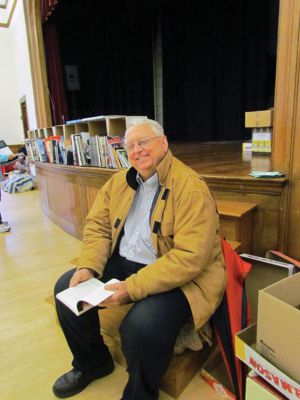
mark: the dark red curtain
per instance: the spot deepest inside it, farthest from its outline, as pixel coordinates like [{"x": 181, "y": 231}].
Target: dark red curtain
[
  {"x": 56, "y": 90},
  {"x": 47, "y": 7}
]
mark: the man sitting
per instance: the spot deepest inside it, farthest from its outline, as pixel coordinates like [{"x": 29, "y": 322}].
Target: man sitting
[{"x": 155, "y": 228}]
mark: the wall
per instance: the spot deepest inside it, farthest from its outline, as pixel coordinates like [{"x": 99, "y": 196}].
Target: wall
[{"x": 15, "y": 78}]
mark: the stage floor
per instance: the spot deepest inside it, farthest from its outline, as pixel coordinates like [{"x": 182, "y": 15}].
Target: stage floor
[{"x": 220, "y": 158}]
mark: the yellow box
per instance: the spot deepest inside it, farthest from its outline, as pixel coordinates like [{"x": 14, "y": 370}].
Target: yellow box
[
  {"x": 258, "y": 389},
  {"x": 261, "y": 140},
  {"x": 245, "y": 350},
  {"x": 259, "y": 119}
]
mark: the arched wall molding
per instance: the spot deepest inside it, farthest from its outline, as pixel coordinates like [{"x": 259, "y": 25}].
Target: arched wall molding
[{"x": 32, "y": 13}]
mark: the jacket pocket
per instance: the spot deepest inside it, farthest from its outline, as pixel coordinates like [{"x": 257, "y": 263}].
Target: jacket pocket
[{"x": 167, "y": 229}]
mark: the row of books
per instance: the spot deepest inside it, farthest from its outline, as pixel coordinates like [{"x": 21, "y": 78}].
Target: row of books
[
  {"x": 49, "y": 149},
  {"x": 99, "y": 151},
  {"x": 81, "y": 149}
]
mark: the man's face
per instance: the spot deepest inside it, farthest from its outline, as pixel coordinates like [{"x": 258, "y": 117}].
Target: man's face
[{"x": 145, "y": 150}]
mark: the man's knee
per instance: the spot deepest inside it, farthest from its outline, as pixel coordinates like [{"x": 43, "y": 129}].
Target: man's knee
[
  {"x": 130, "y": 328},
  {"x": 64, "y": 281},
  {"x": 137, "y": 333}
]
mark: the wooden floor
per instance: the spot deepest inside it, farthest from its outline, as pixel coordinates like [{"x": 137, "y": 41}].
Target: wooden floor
[
  {"x": 222, "y": 159},
  {"x": 32, "y": 348}
]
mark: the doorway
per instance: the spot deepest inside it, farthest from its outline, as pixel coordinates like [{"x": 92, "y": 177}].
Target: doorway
[{"x": 24, "y": 116}]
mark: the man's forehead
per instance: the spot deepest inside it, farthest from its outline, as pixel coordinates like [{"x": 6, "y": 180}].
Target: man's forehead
[{"x": 137, "y": 132}]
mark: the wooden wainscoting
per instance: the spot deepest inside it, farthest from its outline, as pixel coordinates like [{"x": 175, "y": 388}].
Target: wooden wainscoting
[{"x": 68, "y": 192}]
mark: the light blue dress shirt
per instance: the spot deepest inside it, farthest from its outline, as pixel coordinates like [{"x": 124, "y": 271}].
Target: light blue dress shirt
[{"x": 136, "y": 244}]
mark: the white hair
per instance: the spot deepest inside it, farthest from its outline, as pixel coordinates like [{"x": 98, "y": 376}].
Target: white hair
[{"x": 155, "y": 126}]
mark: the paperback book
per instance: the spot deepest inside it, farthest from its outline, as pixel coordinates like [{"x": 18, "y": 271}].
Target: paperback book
[{"x": 85, "y": 295}]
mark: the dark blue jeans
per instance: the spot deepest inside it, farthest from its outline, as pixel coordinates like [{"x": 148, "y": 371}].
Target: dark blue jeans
[{"x": 148, "y": 333}]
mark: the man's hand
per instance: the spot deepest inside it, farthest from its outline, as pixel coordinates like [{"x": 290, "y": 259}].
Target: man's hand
[
  {"x": 119, "y": 297},
  {"x": 81, "y": 275}
]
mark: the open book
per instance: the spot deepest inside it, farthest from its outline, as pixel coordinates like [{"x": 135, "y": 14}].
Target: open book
[{"x": 85, "y": 295}]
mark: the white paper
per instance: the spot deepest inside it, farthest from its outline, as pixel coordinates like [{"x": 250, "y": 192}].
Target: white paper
[{"x": 90, "y": 292}]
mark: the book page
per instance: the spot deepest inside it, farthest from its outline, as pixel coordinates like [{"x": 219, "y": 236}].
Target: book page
[
  {"x": 90, "y": 291},
  {"x": 96, "y": 296}
]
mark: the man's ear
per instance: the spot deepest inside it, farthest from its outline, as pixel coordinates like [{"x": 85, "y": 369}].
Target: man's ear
[{"x": 165, "y": 142}]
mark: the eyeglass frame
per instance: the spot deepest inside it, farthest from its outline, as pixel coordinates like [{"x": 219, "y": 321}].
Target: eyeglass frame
[{"x": 143, "y": 143}]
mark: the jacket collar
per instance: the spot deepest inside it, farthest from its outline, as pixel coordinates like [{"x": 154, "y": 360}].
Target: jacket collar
[{"x": 162, "y": 171}]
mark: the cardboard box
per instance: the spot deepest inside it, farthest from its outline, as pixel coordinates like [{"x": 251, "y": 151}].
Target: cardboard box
[
  {"x": 116, "y": 126},
  {"x": 246, "y": 151},
  {"x": 261, "y": 140},
  {"x": 278, "y": 325},
  {"x": 258, "y": 389},
  {"x": 215, "y": 375},
  {"x": 259, "y": 119},
  {"x": 245, "y": 347},
  {"x": 264, "y": 272}
]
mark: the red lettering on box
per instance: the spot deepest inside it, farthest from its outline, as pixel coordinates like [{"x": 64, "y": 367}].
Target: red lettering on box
[
  {"x": 275, "y": 379},
  {"x": 286, "y": 386},
  {"x": 252, "y": 362},
  {"x": 260, "y": 369},
  {"x": 268, "y": 374},
  {"x": 271, "y": 377},
  {"x": 297, "y": 392}
]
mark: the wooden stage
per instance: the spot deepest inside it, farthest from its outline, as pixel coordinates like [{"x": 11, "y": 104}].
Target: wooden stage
[
  {"x": 67, "y": 192},
  {"x": 220, "y": 159}
]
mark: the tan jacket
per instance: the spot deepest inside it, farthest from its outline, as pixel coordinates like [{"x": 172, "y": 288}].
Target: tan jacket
[{"x": 184, "y": 229}]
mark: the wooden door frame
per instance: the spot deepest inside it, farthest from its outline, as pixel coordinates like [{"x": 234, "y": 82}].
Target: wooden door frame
[{"x": 32, "y": 11}]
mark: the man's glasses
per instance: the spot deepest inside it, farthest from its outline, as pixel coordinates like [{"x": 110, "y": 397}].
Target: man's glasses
[{"x": 143, "y": 143}]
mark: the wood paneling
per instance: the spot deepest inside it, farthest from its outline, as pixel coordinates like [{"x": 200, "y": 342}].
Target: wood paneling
[
  {"x": 67, "y": 193},
  {"x": 293, "y": 203},
  {"x": 286, "y": 139}
]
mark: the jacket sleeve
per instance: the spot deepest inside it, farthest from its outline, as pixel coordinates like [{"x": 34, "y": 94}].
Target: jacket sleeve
[
  {"x": 195, "y": 229},
  {"x": 97, "y": 234}
]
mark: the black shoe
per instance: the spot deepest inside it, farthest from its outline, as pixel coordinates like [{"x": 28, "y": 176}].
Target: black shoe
[{"x": 75, "y": 381}]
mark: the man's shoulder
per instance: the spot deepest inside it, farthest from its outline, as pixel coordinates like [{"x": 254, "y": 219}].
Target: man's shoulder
[
  {"x": 117, "y": 180},
  {"x": 119, "y": 176},
  {"x": 185, "y": 179},
  {"x": 182, "y": 171}
]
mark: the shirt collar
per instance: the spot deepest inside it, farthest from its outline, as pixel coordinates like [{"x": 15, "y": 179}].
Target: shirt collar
[
  {"x": 162, "y": 172},
  {"x": 150, "y": 183}
]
